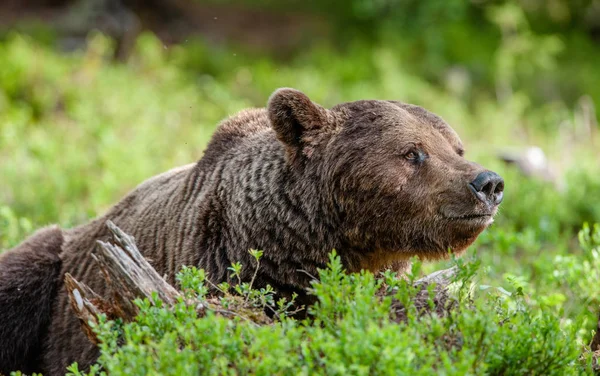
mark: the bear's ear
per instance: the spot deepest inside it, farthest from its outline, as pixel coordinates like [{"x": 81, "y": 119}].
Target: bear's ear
[{"x": 295, "y": 119}]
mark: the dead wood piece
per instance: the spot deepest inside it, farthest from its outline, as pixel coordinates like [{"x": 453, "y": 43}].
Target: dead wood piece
[
  {"x": 437, "y": 301},
  {"x": 128, "y": 275},
  {"x": 441, "y": 277},
  {"x": 85, "y": 303}
]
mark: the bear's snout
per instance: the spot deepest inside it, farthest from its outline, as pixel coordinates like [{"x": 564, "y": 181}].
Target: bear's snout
[{"x": 488, "y": 187}]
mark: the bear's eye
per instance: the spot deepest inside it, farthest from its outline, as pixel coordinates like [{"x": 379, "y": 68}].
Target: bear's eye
[{"x": 412, "y": 155}]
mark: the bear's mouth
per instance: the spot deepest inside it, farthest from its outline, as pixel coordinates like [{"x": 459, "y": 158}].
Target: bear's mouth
[
  {"x": 456, "y": 214},
  {"x": 472, "y": 216},
  {"x": 477, "y": 220}
]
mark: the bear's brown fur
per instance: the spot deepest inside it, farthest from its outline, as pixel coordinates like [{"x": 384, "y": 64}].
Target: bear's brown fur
[{"x": 379, "y": 181}]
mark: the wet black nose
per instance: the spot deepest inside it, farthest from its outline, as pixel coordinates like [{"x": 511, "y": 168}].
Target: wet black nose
[{"x": 488, "y": 186}]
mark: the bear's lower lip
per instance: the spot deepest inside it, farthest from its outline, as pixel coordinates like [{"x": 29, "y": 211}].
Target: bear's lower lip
[
  {"x": 474, "y": 219},
  {"x": 471, "y": 216}
]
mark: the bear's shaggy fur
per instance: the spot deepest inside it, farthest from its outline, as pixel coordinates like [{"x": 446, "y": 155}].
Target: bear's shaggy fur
[{"x": 379, "y": 181}]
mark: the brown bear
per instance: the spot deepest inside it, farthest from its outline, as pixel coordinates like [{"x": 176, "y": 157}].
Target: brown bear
[{"x": 379, "y": 181}]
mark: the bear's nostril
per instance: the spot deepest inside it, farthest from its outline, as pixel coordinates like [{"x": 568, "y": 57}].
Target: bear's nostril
[
  {"x": 499, "y": 187},
  {"x": 488, "y": 189}
]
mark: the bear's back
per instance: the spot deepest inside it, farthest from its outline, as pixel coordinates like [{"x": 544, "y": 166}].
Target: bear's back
[{"x": 234, "y": 131}]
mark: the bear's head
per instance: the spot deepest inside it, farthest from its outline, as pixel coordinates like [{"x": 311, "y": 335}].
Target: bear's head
[{"x": 393, "y": 174}]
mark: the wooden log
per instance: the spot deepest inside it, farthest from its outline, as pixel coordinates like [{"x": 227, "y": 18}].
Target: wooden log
[
  {"x": 85, "y": 304},
  {"x": 128, "y": 275},
  {"x": 442, "y": 303}
]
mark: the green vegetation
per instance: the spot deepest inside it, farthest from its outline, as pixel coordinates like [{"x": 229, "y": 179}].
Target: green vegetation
[
  {"x": 77, "y": 131},
  {"x": 351, "y": 334}
]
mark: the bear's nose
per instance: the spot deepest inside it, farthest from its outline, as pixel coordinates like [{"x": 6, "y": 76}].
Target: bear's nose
[{"x": 488, "y": 186}]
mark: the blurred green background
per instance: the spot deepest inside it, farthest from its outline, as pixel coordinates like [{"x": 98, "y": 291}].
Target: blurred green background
[{"x": 96, "y": 96}]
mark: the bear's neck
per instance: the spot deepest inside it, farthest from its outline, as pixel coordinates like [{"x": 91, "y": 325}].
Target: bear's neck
[{"x": 254, "y": 200}]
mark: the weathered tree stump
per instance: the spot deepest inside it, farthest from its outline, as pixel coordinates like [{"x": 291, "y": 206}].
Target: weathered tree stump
[
  {"x": 422, "y": 301},
  {"x": 128, "y": 275}
]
